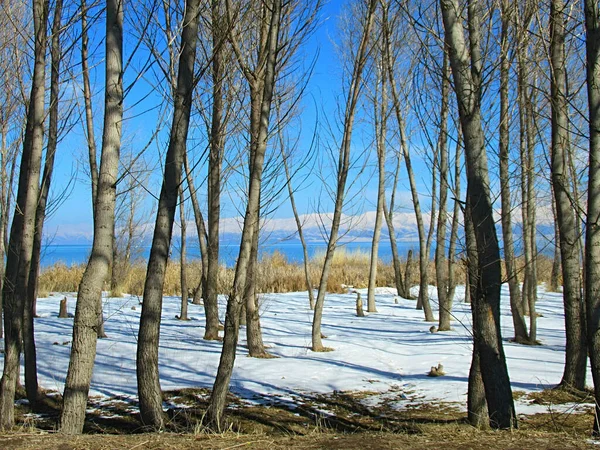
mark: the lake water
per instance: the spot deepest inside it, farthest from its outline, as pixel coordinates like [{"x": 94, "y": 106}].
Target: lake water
[{"x": 78, "y": 254}]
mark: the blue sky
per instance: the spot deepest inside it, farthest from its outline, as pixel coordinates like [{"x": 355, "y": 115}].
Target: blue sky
[{"x": 324, "y": 90}]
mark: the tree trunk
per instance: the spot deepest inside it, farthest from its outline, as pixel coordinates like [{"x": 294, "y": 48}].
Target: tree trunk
[
  {"x": 147, "y": 352},
  {"x": 452, "y": 262},
  {"x": 309, "y": 287},
  {"x": 441, "y": 263},
  {"x": 506, "y": 217},
  {"x": 19, "y": 253},
  {"x": 89, "y": 297},
  {"x": 183, "y": 258},
  {"x": 256, "y": 347},
  {"x": 201, "y": 232},
  {"x": 592, "y": 241},
  {"x": 423, "y": 300},
  {"x": 466, "y": 70},
  {"x": 343, "y": 169},
  {"x": 259, "y": 125},
  {"x": 380, "y": 114},
  {"x": 215, "y": 163},
  {"x": 575, "y": 352}
]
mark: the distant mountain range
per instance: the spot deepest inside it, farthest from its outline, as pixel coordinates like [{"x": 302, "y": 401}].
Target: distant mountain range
[{"x": 357, "y": 228}]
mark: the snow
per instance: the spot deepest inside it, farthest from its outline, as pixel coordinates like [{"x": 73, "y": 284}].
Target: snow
[{"x": 387, "y": 353}]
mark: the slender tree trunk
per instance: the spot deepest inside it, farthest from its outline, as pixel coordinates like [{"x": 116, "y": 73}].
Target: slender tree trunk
[
  {"x": 89, "y": 297},
  {"x": 256, "y": 346},
  {"x": 576, "y": 352},
  {"x": 149, "y": 391},
  {"x": 441, "y": 263},
  {"x": 183, "y": 258},
  {"x": 506, "y": 217},
  {"x": 423, "y": 300},
  {"x": 555, "y": 283},
  {"x": 201, "y": 232},
  {"x": 381, "y": 114},
  {"x": 466, "y": 70},
  {"x": 87, "y": 98},
  {"x": 592, "y": 242},
  {"x": 309, "y": 288},
  {"x": 20, "y": 246},
  {"x": 215, "y": 163},
  {"x": 268, "y": 54},
  {"x": 452, "y": 262},
  {"x": 31, "y": 381},
  {"x": 401, "y": 287},
  {"x": 343, "y": 168}
]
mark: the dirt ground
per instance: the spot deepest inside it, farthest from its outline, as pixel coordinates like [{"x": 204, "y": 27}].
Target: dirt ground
[{"x": 336, "y": 421}]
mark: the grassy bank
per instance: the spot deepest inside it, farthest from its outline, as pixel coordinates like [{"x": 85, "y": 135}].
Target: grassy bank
[{"x": 275, "y": 274}]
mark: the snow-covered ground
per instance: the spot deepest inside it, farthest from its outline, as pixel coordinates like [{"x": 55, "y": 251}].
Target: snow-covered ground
[{"x": 391, "y": 350}]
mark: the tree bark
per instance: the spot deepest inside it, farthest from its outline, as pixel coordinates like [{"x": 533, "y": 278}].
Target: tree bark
[
  {"x": 592, "y": 241},
  {"x": 89, "y": 296},
  {"x": 506, "y": 217},
  {"x": 149, "y": 391},
  {"x": 269, "y": 56},
  {"x": 380, "y": 115},
  {"x": 575, "y": 352},
  {"x": 215, "y": 163},
  {"x": 423, "y": 300},
  {"x": 16, "y": 276},
  {"x": 466, "y": 70},
  {"x": 183, "y": 315},
  {"x": 31, "y": 381},
  {"x": 343, "y": 168},
  {"x": 441, "y": 263}
]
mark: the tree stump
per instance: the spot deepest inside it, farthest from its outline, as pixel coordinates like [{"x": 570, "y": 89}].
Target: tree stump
[
  {"x": 359, "y": 306},
  {"x": 62, "y": 312}
]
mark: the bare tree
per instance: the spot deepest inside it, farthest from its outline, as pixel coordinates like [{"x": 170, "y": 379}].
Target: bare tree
[
  {"x": 389, "y": 61},
  {"x": 575, "y": 354},
  {"x": 592, "y": 241},
  {"x": 465, "y": 60},
  {"x": 183, "y": 315},
  {"x": 506, "y": 217},
  {"x": 89, "y": 296},
  {"x": 261, "y": 81},
  {"x": 16, "y": 277},
  {"x": 147, "y": 352},
  {"x": 358, "y": 64}
]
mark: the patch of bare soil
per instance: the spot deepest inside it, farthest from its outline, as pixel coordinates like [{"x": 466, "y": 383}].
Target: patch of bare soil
[{"x": 341, "y": 420}]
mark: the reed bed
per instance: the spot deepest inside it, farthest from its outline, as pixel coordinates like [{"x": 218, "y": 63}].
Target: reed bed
[{"x": 275, "y": 274}]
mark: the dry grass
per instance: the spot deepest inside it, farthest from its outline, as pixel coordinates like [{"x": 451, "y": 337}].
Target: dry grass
[{"x": 275, "y": 274}]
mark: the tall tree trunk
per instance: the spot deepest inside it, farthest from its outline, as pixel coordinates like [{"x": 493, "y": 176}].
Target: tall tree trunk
[
  {"x": 592, "y": 241},
  {"x": 89, "y": 297},
  {"x": 256, "y": 346},
  {"x": 149, "y": 391},
  {"x": 506, "y": 217},
  {"x": 288, "y": 177},
  {"x": 477, "y": 412},
  {"x": 16, "y": 277},
  {"x": 452, "y": 262},
  {"x": 441, "y": 264},
  {"x": 183, "y": 258},
  {"x": 87, "y": 98},
  {"x": 201, "y": 232},
  {"x": 31, "y": 381},
  {"x": 423, "y": 300},
  {"x": 466, "y": 70},
  {"x": 358, "y": 66},
  {"x": 401, "y": 283},
  {"x": 380, "y": 114},
  {"x": 575, "y": 352},
  {"x": 268, "y": 54},
  {"x": 215, "y": 163}
]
